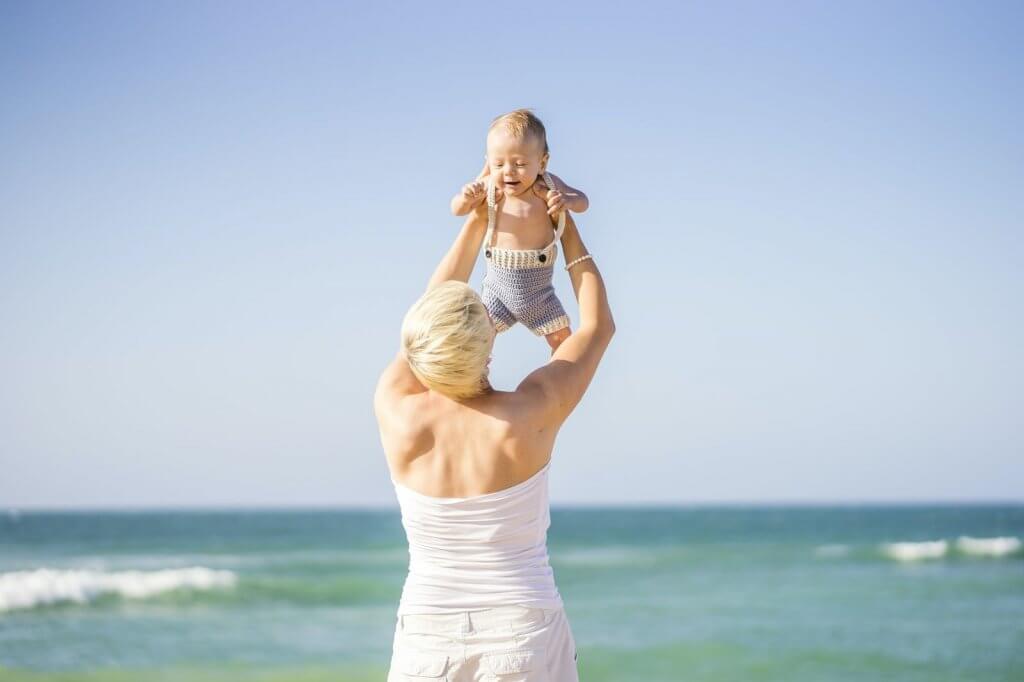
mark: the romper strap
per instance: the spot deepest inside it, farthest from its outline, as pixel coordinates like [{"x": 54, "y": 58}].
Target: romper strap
[
  {"x": 491, "y": 216},
  {"x": 561, "y": 216},
  {"x": 492, "y": 211}
]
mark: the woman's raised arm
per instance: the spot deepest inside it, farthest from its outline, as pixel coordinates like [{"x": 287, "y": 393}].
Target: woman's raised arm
[
  {"x": 397, "y": 379},
  {"x": 558, "y": 386},
  {"x": 461, "y": 257}
]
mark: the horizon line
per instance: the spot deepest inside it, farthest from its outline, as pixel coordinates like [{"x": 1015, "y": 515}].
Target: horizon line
[{"x": 13, "y": 510}]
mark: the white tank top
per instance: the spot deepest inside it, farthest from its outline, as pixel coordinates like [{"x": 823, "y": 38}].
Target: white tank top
[{"x": 469, "y": 553}]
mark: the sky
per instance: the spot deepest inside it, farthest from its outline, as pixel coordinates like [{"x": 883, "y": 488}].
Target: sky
[{"x": 809, "y": 218}]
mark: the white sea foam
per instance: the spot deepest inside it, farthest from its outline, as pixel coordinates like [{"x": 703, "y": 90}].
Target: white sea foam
[
  {"x": 915, "y": 551},
  {"x": 832, "y": 550},
  {"x": 988, "y": 546},
  {"x": 29, "y": 589}
]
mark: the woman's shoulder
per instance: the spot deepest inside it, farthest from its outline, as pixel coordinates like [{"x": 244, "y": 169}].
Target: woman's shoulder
[
  {"x": 528, "y": 427},
  {"x": 533, "y": 404},
  {"x": 403, "y": 432},
  {"x": 396, "y": 381}
]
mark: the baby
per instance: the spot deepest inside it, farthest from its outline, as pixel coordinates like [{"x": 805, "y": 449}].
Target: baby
[{"x": 520, "y": 261}]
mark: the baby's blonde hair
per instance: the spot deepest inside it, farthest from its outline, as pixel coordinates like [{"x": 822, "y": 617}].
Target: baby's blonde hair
[
  {"x": 447, "y": 337},
  {"x": 520, "y": 124}
]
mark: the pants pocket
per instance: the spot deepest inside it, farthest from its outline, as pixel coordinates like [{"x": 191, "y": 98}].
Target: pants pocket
[
  {"x": 531, "y": 620},
  {"x": 518, "y": 665}
]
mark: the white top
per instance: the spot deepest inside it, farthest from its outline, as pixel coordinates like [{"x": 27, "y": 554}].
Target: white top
[{"x": 469, "y": 553}]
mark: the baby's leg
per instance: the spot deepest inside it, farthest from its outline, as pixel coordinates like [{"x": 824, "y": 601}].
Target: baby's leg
[
  {"x": 555, "y": 339},
  {"x": 545, "y": 316},
  {"x": 496, "y": 309}
]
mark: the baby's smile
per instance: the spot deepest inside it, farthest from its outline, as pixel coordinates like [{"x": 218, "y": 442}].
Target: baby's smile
[{"x": 518, "y": 186}]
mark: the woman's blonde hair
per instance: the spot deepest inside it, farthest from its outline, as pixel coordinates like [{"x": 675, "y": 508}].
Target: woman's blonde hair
[{"x": 447, "y": 337}]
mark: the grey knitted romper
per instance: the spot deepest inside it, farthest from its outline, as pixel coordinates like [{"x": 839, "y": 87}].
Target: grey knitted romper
[{"x": 518, "y": 284}]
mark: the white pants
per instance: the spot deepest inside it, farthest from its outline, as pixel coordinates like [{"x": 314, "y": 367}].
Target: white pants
[{"x": 500, "y": 644}]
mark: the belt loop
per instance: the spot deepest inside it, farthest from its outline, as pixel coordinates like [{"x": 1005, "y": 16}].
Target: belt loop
[{"x": 401, "y": 621}]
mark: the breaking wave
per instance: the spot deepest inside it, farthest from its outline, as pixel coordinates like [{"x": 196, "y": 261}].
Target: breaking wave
[
  {"x": 44, "y": 586},
  {"x": 915, "y": 551},
  {"x": 937, "y": 549},
  {"x": 988, "y": 546}
]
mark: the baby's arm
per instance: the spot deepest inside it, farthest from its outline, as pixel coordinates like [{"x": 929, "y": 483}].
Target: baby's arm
[
  {"x": 565, "y": 198},
  {"x": 470, "y": 196}
]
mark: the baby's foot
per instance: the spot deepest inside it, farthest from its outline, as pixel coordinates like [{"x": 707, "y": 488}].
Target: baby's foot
[{"x": 556, "y": 338}]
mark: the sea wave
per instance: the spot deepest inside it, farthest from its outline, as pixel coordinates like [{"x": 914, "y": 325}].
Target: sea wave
[
  {"x": 915, "y": 551},
  {"x": 830, "y": 551},
  {"x": 995, "y": 547},
  {"x": 44, "y": 586}
]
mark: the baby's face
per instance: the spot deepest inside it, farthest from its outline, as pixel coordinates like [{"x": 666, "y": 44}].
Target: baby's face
[{"x": 514, "y": 163}]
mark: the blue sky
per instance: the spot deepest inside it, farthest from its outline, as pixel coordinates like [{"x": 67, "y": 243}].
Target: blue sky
[{"x": 809, "y": 218}]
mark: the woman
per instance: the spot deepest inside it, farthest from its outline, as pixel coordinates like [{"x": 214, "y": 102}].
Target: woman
[{"x": 469, "y": 464}]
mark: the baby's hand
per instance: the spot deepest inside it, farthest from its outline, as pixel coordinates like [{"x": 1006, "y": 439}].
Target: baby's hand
[
  {"x": 478, "y": 192},
  {"x": 471, "y": 195},
  {"x": 474, "y": 192}
]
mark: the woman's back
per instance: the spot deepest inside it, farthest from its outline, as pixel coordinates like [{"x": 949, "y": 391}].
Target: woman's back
[
  {"x": 478, "y": 552},
  {"x": 471, "y": 481},
  {"x": 445, "y": 448}
]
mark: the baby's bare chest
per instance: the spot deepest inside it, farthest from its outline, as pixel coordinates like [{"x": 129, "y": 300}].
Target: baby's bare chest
[{"x": 523, "y": 225}]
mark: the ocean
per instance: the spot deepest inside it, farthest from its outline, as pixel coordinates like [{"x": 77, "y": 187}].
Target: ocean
[{"x": 787, "y": 593}]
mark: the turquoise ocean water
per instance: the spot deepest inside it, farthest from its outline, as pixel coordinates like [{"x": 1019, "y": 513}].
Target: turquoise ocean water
[{"x": 703, "y": 593}]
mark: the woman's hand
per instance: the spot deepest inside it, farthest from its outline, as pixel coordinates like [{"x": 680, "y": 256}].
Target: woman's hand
[
  {"x": 561, "y": 197},
  {"x": 552, "y": 197}
]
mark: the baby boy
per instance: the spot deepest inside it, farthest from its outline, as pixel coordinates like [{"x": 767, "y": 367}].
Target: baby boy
[{"x": 520, "y": 262}]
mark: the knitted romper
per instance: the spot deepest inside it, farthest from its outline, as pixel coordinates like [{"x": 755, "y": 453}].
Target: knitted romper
[{"x": 518, "y": 284}]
